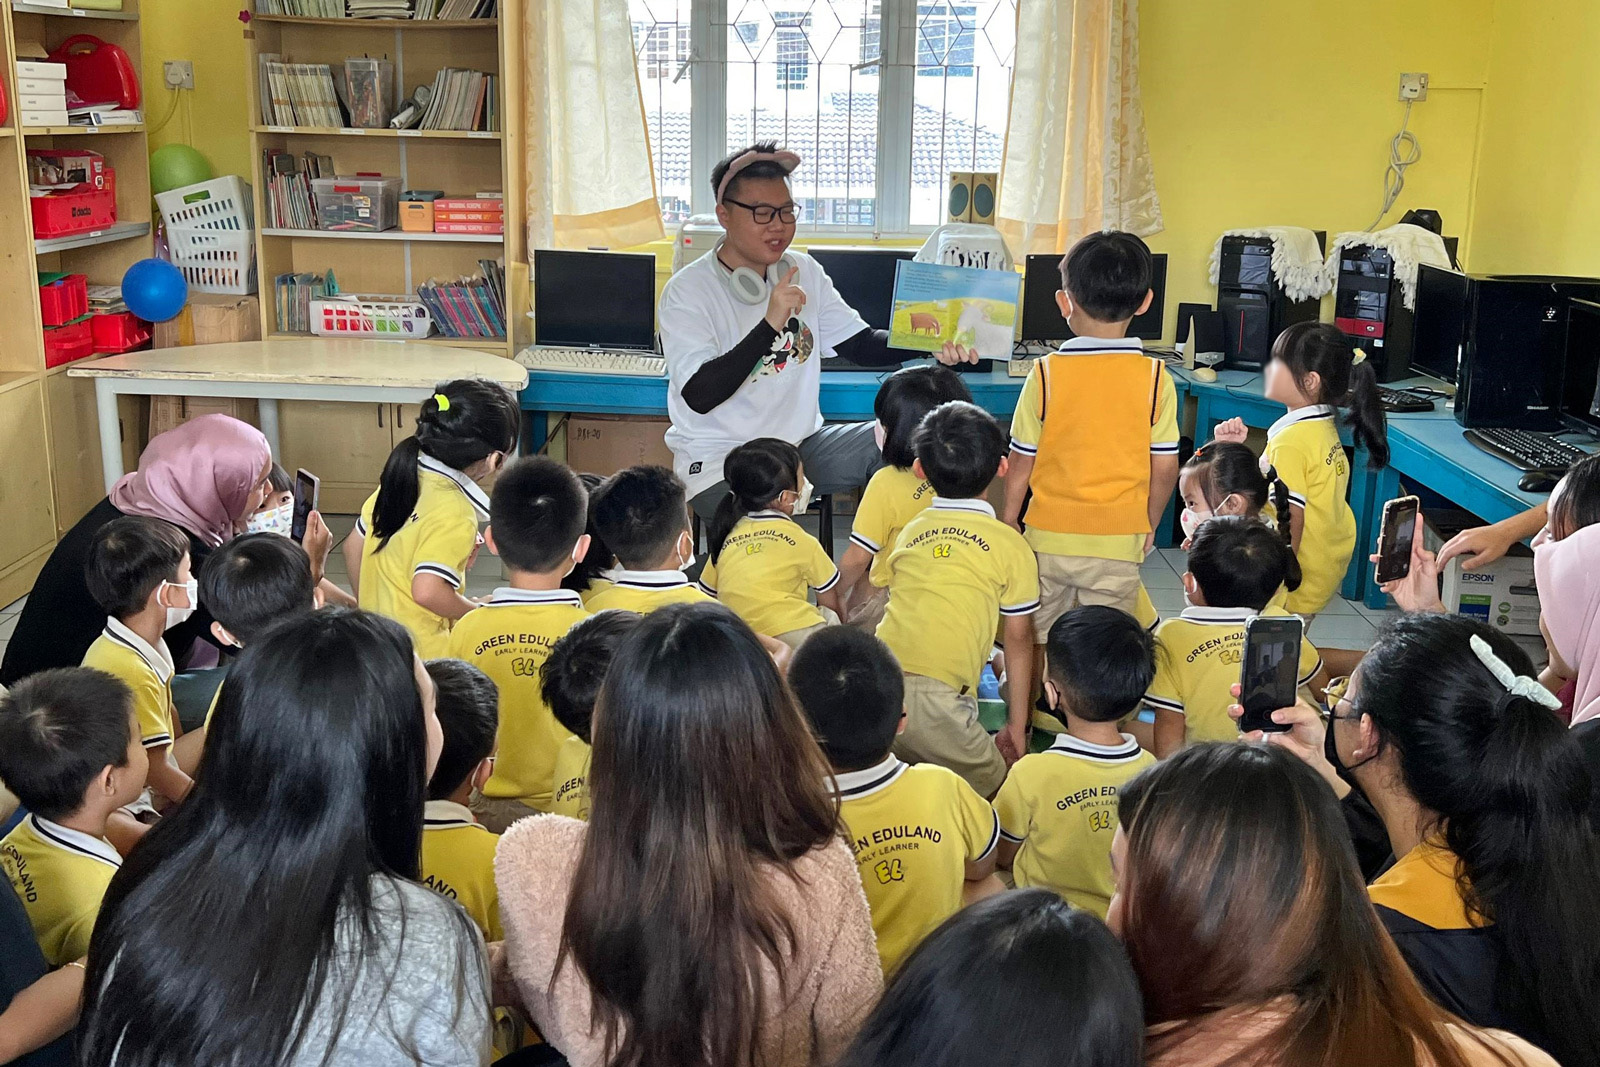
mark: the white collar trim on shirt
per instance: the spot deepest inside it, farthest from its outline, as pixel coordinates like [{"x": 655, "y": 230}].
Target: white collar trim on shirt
[
  {"x": 445, "y": 815},
  {"x": 1229, "y": 616},
  {"x": 982, "y": 507},
  {"x": 159, "y": 659},
  {"x": 475, "y": 493},
  {"x": 1101, "y": 344},
  {"x": 768, "y": 513},
  {"x": 852, "y": 785},
  {"x": 649, "y": 579},
  {"x": 1314, "y": 411},
  {"x": 1067, "y": 745},
  {"x": 76, "y": 841},
  {"x": 507, "y": 595}
]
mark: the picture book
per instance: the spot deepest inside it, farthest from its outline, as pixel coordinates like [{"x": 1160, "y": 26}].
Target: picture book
[{"x": 935, "y": 304}]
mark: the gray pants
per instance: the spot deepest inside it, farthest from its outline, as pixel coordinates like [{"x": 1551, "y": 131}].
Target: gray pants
[{"x": 838, "y": 457}]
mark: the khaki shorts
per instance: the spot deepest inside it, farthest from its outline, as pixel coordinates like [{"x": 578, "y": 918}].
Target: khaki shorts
[
  {"x": 496, "y": 814},
  {"x": 866, "y": 612},
  {"x": 942, "y": 727},
  {"x": 795, "y": 638},
  {"x": 1067, "y": 582}
]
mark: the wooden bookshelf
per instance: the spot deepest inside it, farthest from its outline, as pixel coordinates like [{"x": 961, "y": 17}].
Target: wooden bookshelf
[{"x": 50, "y": 471}]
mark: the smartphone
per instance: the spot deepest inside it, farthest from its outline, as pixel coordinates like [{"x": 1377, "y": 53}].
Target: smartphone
[
  {"x": 306, "y": 486},
  {"x": 1269, "y": 670},
  {"x": 1395, "y": 537}
]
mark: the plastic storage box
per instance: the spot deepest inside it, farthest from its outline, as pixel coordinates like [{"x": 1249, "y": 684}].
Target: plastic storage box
[
  {"x": 363, "y": 204},
  {"x": 121, "y": 331},
  {"x": 218, "y": 204},
  {"x": 214, "y": 261},
  {"x": 63, "y": 298},
  {"x": 392, "y": 318},
  {"x": 63, "y": 344}
]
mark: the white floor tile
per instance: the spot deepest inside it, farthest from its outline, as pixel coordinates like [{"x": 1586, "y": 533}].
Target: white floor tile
[
  {"x": 1156, "y": 573},
  {"x": 14, "y": 607},
  {"x": 1342, "y": 631},
  {"x": 1168, "y": 602},
  {"x": 1176, "y": 558},
  {"x": 8, "y": 626},
  {"x": 1339, "y": 606}
]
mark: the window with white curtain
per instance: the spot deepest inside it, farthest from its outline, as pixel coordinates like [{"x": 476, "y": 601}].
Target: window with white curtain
[{"x": 883, "y": 99}]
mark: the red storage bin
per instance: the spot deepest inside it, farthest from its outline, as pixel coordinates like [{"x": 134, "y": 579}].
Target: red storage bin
[
  {"x": 121, "y": 331},
  {"x": 63, "y": 299},
  {"x": 63, "y": 344},
  {"x": 81, "y": 209}
]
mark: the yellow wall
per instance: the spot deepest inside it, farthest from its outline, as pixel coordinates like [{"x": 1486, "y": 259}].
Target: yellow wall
[{"x": 213, "y": 118}]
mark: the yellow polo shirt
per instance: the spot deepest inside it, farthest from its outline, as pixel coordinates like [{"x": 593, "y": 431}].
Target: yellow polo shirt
[
  {"x": 1198, "y": 658},
  {"x": 645, "y": 591},
  {"x": 765, "y": 571},
  {"x": 569, "y": 785},
  {"x": 438, "y": 539},
  {"x": 913, "y": 831},
  {"x": 893, "y": 497},
  {"x": 509, "y": 638},
  {"x": 954, "y": 570},
  {"x": 1304, "y": 446},
  {"x": 143, "y": 668},
  {"x": 1027, "y": 428},
  {"x": 1061, "y": 806},
  {"x": 458, "y": 863},
  {"x": 60, "y": 875}
]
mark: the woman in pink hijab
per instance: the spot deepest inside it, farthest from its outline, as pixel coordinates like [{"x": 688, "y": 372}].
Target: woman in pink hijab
[
  {"x": 1566, "y": 568},
  {"x": 206, "y": 477}
]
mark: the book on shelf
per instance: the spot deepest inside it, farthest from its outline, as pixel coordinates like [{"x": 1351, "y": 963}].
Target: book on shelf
[
  {"x": 379, "y": 9},
  {"x": 455, "y": 9},
  {"x": 316, "y": 9},
  {"x": 298, "y": 94},
  {"x": 290, "y": 204},
  {"x": 462, "y": 100},
  {"x": 469, "y": 307},
  {"x": 106, "y": 300},
  {"x": 292, "y": 294}
]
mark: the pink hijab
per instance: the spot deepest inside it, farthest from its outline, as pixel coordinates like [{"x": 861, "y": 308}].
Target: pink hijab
[
  {"x": 197, "y": 476},
  {"x": 1568, "y": 575}
]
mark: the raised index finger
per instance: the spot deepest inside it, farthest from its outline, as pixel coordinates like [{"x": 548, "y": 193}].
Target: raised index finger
[{"x": 792, "y": 272}]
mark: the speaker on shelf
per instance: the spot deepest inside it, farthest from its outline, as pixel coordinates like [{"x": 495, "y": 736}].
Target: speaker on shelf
[{"x": 974, "y": 195}]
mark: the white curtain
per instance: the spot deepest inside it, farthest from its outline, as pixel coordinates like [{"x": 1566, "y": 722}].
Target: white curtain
[
  {"x": 1077, "y": 159},
  {"x": 587, "y": 156}
]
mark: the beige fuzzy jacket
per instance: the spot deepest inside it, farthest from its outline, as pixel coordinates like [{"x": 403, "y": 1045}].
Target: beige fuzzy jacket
[{"x": 834, "y": 976}]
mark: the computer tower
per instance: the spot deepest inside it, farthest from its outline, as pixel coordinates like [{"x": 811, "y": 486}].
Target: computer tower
[
  {"x": 1254, "y": 307},
  {"x": 1368, "y": 305}
]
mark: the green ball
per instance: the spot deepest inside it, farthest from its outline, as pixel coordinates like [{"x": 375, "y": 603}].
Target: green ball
[{"x": 175, "y": 165}]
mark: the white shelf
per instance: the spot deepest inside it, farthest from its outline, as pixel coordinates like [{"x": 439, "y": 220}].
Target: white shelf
[
  {"x": 119, "y": 232},
  {"x": 73, "y": 12},
  {"x": 388, "y": 235}
]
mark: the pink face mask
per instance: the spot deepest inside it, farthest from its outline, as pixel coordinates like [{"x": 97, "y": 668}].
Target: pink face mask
[
  {"x": 879, "y": 434},
  {"x": 1544, "y": 536},
  {"x": 1190, "y": 520}
]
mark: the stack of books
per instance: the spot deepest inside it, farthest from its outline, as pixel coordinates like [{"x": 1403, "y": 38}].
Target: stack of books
[
  {"x": 469, "y": 307},
  {"x": 289, "y": 201},
  {"x": 103, "y": 115},
  {"x": 315, "y": 9},
  {"x": 463, "y": 100},
  {"x": 292, "y": 295},
  {"x": 378, "y": 9},
  {"x": 455, "y": 9},
  {"x": 42, "y": 88},
  {"x": 297, "y": 94},
  {"x": 106, "y": 300},
  {"x": 480, "y": 214}
]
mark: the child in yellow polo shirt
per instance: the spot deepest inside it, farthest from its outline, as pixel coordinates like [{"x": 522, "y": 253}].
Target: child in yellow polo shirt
[
  {"x": 1058, "y": 808},
  {"x": 895, "y": 494},
  {"x": 536, "y": 520},
  {"x": 70, "y": 751},
  {"x": 457, "y": 853},
  {"x": 923, "y": 840},
  {"x": 138, "y": 572},
  {"x": 418, "y": 534},
  {"x": 1236, "y": 566},
  {"x": 642, "y": 513},
  {"x": 954, "y": 573},
  {"x": 763, "y": 564},
  {"x": 570, "y": 680},
  {"x": 594, "y": 570}
]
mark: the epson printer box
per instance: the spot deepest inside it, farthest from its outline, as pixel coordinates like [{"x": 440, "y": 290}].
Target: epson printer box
[{"x": 1501, "y": 594}]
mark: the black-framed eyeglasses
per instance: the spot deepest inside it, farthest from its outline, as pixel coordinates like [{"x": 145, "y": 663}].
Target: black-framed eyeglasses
[
  {"x": 765, "y": 213},
  {"x": 1334, "y": 693}
]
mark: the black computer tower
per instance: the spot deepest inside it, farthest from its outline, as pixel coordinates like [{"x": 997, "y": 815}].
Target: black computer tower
[
  {"x": 1254, "y": 308},
  {"x": 1368, "y": 305}
]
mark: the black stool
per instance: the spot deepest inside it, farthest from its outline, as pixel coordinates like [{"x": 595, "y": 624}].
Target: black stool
[{"x": 824, "y": 525}]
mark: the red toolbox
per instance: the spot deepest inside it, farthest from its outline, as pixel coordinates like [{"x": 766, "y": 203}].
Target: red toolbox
[
  {"x": 63, "y": 297},
  {"x": 120, "y": 331},
  {"x": 63, "y": 344},
  {"x": 98, "y": 72}
]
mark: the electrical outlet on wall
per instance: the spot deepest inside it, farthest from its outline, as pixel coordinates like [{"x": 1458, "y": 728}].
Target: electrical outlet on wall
[
  {"x": 178, "y": 74},
  {"x": 1413, "y": 87}
]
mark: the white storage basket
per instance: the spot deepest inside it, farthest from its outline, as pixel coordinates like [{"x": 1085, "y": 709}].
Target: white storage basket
[
  {"x": 218, "y": 204},
  {"x": 214, "y": 261}
]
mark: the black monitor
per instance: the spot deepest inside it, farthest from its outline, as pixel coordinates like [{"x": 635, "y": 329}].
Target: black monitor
[
  {"x": 594, "y": 300},
  {"x": 1041, "y": 316},
  {"x": 864, "y": 278},
  {"x": 1580, "y": 382},
  {"x": 1441, "y": 318}
]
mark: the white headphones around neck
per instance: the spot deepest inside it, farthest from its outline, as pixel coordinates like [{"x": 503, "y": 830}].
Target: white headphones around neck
[{"x": 747, "y": 286}]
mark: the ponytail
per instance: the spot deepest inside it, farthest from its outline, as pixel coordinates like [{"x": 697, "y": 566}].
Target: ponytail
[
  {"x": 398, "y": 489},
  {"x": 1321, "y": 348},
  {"x": 757, "y": 472},
  {"x": 1281, "y": 518},
  {"x": 1366, "y": 420}
]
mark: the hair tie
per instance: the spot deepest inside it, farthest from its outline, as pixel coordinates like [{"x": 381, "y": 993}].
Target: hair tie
[
  {"x": 1360, "y": 356},
  {"x": 1518, "y": 685},
  {"x": 1268, "y": 471},
  {"x": 442, "y": 401}
]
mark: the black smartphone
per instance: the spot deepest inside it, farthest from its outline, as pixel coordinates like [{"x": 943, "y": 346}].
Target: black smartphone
[
  {"x": 1269, "y": 671},
  {"x": 1396, "y": 536},
  {"x": 306, "y": 485}
]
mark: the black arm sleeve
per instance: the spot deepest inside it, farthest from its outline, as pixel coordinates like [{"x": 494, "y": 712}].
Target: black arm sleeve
[
  {"x": 869, "y": 348},
  {"x": 720, "y": 378}
]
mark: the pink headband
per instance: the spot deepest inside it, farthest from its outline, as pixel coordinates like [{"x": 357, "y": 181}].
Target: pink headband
[{"x": 783, "y": 157}]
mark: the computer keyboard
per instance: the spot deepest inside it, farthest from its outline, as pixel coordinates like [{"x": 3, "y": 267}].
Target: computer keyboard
[
  {"x": 1403, "y": 401},
  {"x": 592, "y": 361},
  {"x": 1527, "y": 450}
]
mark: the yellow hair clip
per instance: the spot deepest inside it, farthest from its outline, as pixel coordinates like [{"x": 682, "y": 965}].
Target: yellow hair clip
[{"x": 442, "y": 400}]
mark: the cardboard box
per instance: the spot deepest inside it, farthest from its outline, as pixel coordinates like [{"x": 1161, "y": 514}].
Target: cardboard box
[
  {"x": 1502, "y": 594},
  {"x": 605, "y": 444},
  {"x": 169, "y": 411},
  {"x": 207, "y": 319}
]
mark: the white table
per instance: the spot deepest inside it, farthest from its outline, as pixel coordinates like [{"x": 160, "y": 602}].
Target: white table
[{"x": 360, "y": 372}]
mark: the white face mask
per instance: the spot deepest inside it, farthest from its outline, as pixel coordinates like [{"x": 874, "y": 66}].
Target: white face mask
[
  {"x": 279, "y": 520},
  {"x": 1190, "y": 520},
  {"x": 802, "y": 499},
  {"x": 191, "y": 590},
  {"x": 684, "y": 563},
  {"x": 879, "y": 434}
]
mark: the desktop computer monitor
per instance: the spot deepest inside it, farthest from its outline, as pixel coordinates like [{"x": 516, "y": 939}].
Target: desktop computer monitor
[
  {"x": 594, "y": 300},
  {"x": 1580, "y": 382},
  {"x": 1441, "y": 318},
  {"x": 864, "y": 278},
  {"x": 1041, "y": 317}
]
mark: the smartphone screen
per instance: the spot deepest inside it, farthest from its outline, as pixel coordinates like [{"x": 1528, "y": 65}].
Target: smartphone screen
[
  {"x": 305, "y": 502},
  {"x": 1268, "y": 675},
  {"x": 1395, "y": 539}
]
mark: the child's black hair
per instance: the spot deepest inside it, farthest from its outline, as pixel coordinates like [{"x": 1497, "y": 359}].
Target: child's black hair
[
  {"x": 1107, "y": 275},
  {"x": 256, "y": 581},
  {"x": 571, "y": 676},
  {"x": 468, "y": 705},
  {"x": 641, "y": 512},
  {"x": 1102, "y": 660},
  {"x": 757, "y": 472},
  {"x": 960, "y": 447},
  {"x": 1578, "y": 503},
  {"x": 128, "y": 558},
  {"x": 852, "y": 689},
  {"x": 1239, "y": 563},
  {"x": 279, "y": 479},
  {"x": 599, "y": 558},
  {"x": 536, "y": 514},
  {"x": 58, "y": 730},
  {"x": 1321, "y": 348},
  {"x": 1228, "y": 467},
  {"x": 476, "y": 419},
  {"x": 764, "y": 168},
  {"x": 904, "y": 400}
]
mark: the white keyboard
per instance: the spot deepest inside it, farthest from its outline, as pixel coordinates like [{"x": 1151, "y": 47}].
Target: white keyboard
[{"x": 592, "y": 361}]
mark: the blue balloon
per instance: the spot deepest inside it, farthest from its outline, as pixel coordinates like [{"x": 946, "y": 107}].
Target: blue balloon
[{"x": 154, "y": 290}]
